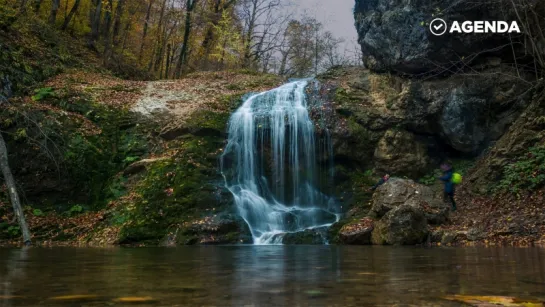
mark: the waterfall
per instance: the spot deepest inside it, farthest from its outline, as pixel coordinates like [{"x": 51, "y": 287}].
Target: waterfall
[{"x": 270, "y": 165}]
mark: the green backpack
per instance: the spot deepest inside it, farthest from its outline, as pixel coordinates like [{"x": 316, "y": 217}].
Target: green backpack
[{"x": 456, "y": 178}]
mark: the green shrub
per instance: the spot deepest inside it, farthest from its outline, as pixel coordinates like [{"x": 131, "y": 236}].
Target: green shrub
[
  {"x": 37, "y": 212},
  {"x": 13, "y": 231},
  {"x": 526, "y": 174},
  {"x": 76, "y": 209},
  {"x": 43, "y": 93},
  {"x": 429, "y": 179}
]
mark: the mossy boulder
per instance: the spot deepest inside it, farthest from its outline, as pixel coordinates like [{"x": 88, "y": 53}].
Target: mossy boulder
[
  {"x": 403, "y": 225},
  {"x": 213, "y": 230}
]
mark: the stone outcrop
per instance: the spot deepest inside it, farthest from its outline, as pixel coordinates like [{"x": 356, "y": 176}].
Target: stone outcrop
[
  {"x": 463, "y": 113},
  {"x": 400, "y": 192},
  {"x": 400, "y": 152},
  {"x": 403, "y": 225}
]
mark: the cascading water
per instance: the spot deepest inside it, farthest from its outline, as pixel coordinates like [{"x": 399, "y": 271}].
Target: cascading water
[{"x": 270, "y": 165}]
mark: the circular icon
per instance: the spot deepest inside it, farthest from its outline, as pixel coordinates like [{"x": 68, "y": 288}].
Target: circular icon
[{"x": 438, "y": 27}]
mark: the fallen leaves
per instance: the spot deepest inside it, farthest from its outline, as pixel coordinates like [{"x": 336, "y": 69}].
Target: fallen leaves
[
  {"x": 134, "y": 299},
  {"x": 73, "y": 297},
  {"x": 489, "y": 301},
  {"x": 503, "y": 219}
]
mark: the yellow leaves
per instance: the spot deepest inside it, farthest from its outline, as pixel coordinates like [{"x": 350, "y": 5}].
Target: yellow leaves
[
  {"x": 483, "y": 301},
  {"x": 134, "y": 299},
  {"x": 73, "y": 297}
]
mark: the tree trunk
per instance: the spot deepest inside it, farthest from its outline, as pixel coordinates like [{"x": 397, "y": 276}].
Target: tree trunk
[
  {"x": 207, "y": 43},
  {"x": 187, "y": 31},
  {"x": 145, "y": 32},
  {"x": 10, "y": 184},
  {"x": 96, "y": 14},
  {"x": 37, "y": 4},
  {"x": 107, "y": 33},
  {"x": 126, "y": 33},
  {"x": 160, "y": 40},
  {"x": 250, "y": 34},
  {"x": 54, "y": 9},
  {"x": 168, "y": 62},
  {"x": 70, "y": 15},
  {"x": 119, "y": 11}
]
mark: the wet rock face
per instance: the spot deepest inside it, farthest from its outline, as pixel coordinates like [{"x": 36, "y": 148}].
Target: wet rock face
[
  {"x": 307, "y": 237},
  {"x": 394, "y": 35},
  {"x": 399, "y": 192},
  {"x": 404, "y": 225},
  {"x": 399, "y": 152},
  {"x": 222, "y": 229},
  {"x": 460, "y": 113}
]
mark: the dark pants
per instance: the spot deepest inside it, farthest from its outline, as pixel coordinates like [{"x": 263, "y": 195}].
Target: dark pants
[{"x": 449, "y": 197}]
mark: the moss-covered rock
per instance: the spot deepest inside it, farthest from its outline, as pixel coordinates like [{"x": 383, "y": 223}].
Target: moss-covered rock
[
  {"x": 403, "y": 225},
  {"x": 212, "y": 230},
  {"x": 307, "y": 237}
]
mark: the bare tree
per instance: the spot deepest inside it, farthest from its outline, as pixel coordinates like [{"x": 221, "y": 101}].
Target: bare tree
[
  {"x": 331, "y": 51},
  {"x": 264, "y": 23},
  {"x": 10, "y": 184},
  {"x": 12, "y": 191}
]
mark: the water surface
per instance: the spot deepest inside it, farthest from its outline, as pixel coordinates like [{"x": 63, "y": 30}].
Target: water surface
[{"x": 267, "y": 275}]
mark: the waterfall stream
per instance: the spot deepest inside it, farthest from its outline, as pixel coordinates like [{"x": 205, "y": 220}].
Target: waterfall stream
[{"x": 271, "y": 167}]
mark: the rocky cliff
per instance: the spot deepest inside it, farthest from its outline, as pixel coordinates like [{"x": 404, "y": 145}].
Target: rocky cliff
[
  {"x": 395, "y": 36},
  {"x": 423, "y": 99}
]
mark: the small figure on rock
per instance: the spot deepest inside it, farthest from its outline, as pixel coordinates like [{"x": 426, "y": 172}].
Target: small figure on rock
[
  {"x": 382, "y": 181},
  {"x": 450, "y": 179}
]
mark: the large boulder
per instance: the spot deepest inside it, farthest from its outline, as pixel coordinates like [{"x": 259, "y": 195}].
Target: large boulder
[
  {"x": 395, "y": 35},
  {"x": 357, "y": 233},
  {"x": 404, "y": 225},
  {"x": 398, "y": 192},
  {"x": 213, "y": 230}
]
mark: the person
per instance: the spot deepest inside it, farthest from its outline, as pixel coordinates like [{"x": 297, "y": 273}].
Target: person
[
  {"x": 382, "y": 181},
  {"x": 448, "y": 194}
]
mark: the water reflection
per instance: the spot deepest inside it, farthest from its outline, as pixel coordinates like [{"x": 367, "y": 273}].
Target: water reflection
[
  {"x": 14, "y": 270},
  {"x": 267, "y": 275}
]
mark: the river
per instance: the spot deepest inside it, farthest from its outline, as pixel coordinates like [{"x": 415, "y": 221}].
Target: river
[{"x": 266, "y": 275}]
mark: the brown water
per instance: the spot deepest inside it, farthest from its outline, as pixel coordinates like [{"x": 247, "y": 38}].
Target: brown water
[{"x": 267, "y": 275}]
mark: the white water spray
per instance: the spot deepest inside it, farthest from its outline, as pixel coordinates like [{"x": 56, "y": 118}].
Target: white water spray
[{"x": 270, "y": 165}]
